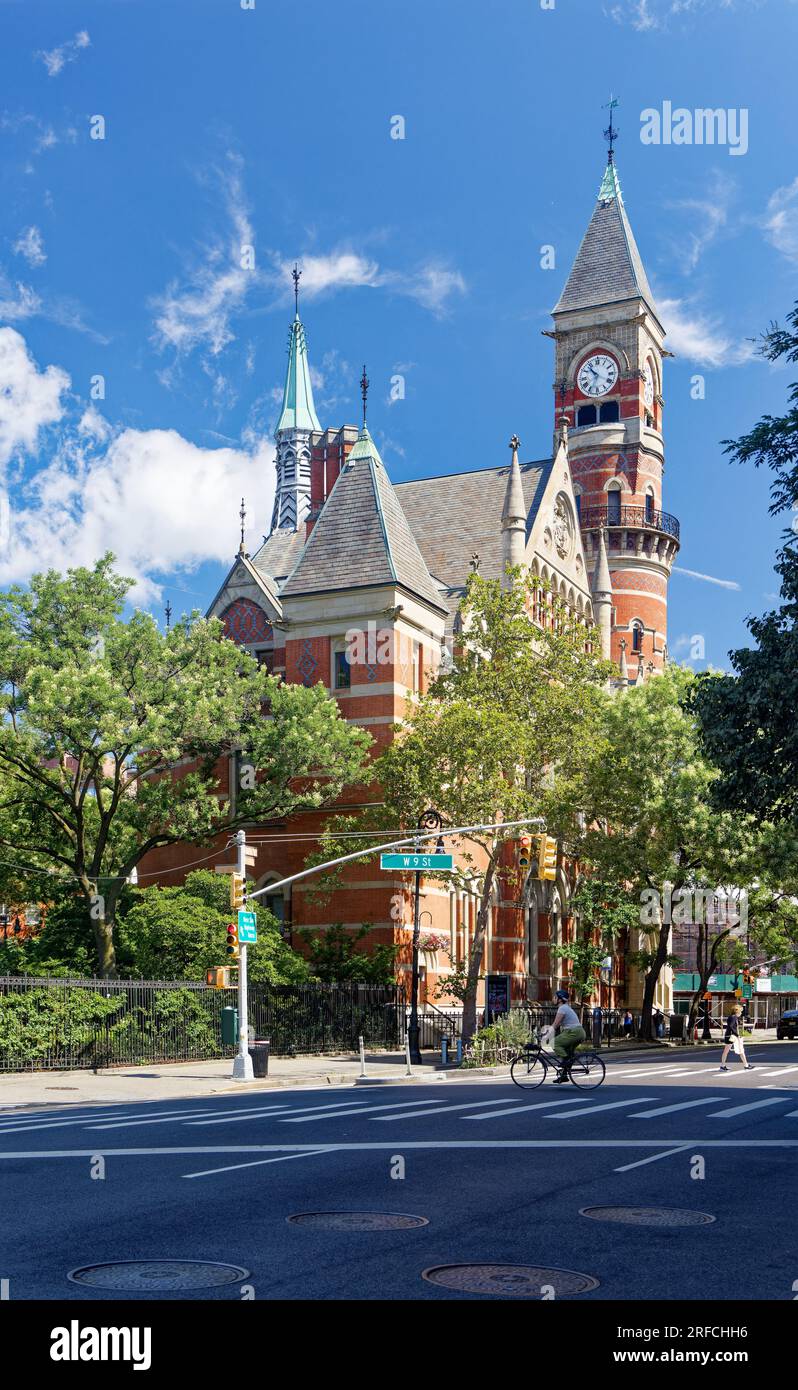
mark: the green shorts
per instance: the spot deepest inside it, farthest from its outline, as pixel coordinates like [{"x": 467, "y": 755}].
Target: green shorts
[{"x": 568, "y": 1040}]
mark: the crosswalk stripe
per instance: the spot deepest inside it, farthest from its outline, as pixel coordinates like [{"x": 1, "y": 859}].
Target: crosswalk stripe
[
  {"x": 782, "y": 1071},
  {"x": 278, "y": 1110},
  {"x": 45, "y": 1124},
  {"x": 174, "y": 1115},
  {"x": 679, "y": 1105},
  {"x": 743, "y": 1109},
  {"x": 411, "y": 1114},
  {"x": 594, "y": 1109},
  {"x": 518, "y": 1109},
  {"x": 358, "y": 1110}
]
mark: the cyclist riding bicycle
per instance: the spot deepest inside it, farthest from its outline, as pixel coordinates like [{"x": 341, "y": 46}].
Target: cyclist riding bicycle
[{"x": 570, "y": 1035}]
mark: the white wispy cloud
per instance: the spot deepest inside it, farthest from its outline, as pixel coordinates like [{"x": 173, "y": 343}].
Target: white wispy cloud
[
  {"x": 112, "y": 488},
  {"x": 710, "y": 214},
  {"x": 56, "y": 59},
  {"x": 30, "y": 399},
  {"x": 433, "y": 283},
  {"x": 699, "y": 337},
  {"x": 780, "y": 222},
  {"x": 30, "y": 244},
  {"x": 650, "y": 15},
  {"x": 708, "y": 578}
]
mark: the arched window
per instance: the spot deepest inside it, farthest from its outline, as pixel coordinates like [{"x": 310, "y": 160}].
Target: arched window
[
  {"x": 609, "y": 413},
  {"x": 649, "y": 506},
  {"x": 637, "y": 636},
  {"x": 585, "y": 415},
  {"x": 614, "y": 506},
  {"x": 578, "y": 501}
]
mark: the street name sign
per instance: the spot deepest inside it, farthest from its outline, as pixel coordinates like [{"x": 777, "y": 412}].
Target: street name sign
[
  {"x": 441, "y": 863},
  {"x": 247, "y": 928}
]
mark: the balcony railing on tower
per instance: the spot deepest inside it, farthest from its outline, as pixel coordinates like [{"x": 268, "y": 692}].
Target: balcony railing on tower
[{"x": 630, "y": 517}]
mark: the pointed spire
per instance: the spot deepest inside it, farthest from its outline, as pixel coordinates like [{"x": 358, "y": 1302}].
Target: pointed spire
[
  {"x": 298, "y": 410},
  {"x": 602, "y": 583},
  {"x": 364, "y": 391},
  {"x": 602, "y": 597},
  {"x": 622, "y": 664},
  {"x": 514, "y": 514}
]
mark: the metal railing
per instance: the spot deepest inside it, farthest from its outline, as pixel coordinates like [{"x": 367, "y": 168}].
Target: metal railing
[
  {"x": 63, "y": 1024},
  {"x": 635, "y": 517}
]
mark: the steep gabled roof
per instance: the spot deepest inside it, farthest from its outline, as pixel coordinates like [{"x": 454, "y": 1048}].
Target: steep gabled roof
[
  {"x": 362, "y": 537},
  {"x": 608, "y": 268}
]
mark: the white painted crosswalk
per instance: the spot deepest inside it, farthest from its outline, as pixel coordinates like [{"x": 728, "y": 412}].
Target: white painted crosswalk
[
  {"x": 677, "y": 1106},
  {"x": 597, "y": 1109}
]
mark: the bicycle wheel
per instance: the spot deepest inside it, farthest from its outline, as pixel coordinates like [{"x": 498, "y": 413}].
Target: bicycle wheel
[
  {"x": 588, "y": 1071},
  {"x": 528, "y": 1070}
]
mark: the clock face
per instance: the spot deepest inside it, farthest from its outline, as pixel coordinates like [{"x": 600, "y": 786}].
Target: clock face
[
  {"x": 597, "y": 375},
  {"x": 648, "y": 385}
]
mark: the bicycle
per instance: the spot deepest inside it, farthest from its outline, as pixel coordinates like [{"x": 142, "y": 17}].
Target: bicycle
[{"x": 530, "y": 1067}]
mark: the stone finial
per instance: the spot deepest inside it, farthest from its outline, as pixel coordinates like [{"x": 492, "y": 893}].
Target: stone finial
[
  {"x": 515, "y": 444},
  {"x": 563, "y": 423}
]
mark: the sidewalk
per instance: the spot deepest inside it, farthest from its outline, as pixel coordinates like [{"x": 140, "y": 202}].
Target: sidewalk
[{"x": 187, "y": 1080}]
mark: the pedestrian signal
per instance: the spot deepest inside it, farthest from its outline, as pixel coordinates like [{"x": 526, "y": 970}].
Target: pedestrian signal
[
  {"x": 218, "y": 976},
  {"x": 547, "y": 858},
  {"x": 232, "y": 947},
  {"x": 524, "y": 851},
  {"x": 237, "y": 886}
]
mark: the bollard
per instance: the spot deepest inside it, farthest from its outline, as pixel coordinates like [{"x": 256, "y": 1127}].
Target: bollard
[
  {"x": 444, "y": 1052},
  {"x": 459, "y": 1051},
  {"x": 362, "y": 1057},
  {"x": 409, "y": 1071}
]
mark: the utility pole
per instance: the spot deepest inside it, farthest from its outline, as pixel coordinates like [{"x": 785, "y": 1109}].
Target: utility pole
[
  {"x": 430, "y": 820},
  {"x": 242, "y": 1066}
]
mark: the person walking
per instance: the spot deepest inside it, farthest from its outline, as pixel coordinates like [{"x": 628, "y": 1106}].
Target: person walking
[
  {"x": 570, "y": 1034},
  {"x": 733, "y": 1039},
  {"x": 628, "y": 1023}
]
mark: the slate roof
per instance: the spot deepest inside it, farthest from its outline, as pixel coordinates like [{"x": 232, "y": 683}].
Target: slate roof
[
  {"x": 461, "y": 513},
  {"x": 362, "y": 536},
  {"x": 279, "y": 554},
  {"x": 608, "y": 268}
]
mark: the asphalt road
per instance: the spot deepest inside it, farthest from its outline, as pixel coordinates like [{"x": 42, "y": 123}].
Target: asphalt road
[{"x": 498, "y": 1174}]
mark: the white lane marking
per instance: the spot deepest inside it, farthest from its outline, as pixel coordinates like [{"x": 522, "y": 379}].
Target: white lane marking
[
  {"x": 52, "y": 1115},
  {"x": 743, "y": 1109},
  {"x": 660, "y": 1070},
  {"x": 412, "y": 1114},
  {"x": 257, "y": 1163},
  {"x": 595, "y": 1109},
  {"x": 160, "y": 1119},
  {"x": 50, "y": 1124},
  {"x": 370, "y": 1109},
  {"x": 653, "y": 1158},
  {"x": 679, "y": 1105},
  {"x": 518, "y": 1109},
  {"x": 781, "y": 1072},
  {"x": 277, "y": 1110},
  {"x": 389, "y": 1147}
]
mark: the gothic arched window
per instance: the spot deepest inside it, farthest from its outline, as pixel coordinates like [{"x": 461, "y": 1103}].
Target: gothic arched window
[
  {"x": 637, "y": 636},
  {"x": 614, "y": 506}
]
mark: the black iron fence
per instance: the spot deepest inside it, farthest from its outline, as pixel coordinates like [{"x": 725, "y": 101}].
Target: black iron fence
[{"x": 83, "y": 1023}]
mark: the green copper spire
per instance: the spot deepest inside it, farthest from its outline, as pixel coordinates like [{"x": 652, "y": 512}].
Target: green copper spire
[
  {"x": 298, "y": 410},
  {"x": 610, "y": 187}
]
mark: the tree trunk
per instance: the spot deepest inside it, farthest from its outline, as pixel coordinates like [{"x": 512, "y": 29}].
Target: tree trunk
[
  {"x": 475, "y": 960},
  {"x": 650, "y": 982},
  {"x": 102, "y": 916}
]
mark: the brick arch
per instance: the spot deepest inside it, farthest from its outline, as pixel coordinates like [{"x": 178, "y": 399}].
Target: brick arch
[{"x": 246, "y": 623}]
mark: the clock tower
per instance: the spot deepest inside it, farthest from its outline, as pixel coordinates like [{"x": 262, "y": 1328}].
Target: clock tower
[{"x": 609, "y": 353}]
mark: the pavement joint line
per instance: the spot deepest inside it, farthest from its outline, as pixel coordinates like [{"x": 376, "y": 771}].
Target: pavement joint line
[
  {"x": 653, "y": 1158},
  {"x": 258, "y": 1163},
  {"x": 390, "y": 1146}
]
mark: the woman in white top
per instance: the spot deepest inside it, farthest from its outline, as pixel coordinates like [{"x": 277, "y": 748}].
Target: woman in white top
[{"x": 569, "y": 1035}]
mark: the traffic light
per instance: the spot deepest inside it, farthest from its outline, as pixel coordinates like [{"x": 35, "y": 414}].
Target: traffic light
[
  {"x": 237, "y": 885},
  {"x": 218, "y": 976},
  {"x": 547, "y": 858},
  {"x": 524, "y": 851},
  {"x": 232, "y": 947}
]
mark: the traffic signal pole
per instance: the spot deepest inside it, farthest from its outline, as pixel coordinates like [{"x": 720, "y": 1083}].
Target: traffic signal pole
[{"x": 242, "y": 1065}]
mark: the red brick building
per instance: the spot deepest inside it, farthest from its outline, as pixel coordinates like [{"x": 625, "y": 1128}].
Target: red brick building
[{"x": 351, "y": 553}]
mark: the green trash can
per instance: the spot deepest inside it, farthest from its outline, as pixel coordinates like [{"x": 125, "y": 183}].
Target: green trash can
[
  {"x": 259, "y": 1052},
  {"x": 230, "y": 1026}
]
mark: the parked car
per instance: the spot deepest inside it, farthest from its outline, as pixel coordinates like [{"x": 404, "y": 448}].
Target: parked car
[{"x": 787, "y": 1026}]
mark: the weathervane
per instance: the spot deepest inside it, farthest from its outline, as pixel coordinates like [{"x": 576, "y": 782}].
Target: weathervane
[
  {"x": 243, "y": 515},
  {"x": 364, "y": 390},
  {"x": 168, "y": 612},
  {"x": 296, "y": 275},
  {"x": 611, "y": 133}
]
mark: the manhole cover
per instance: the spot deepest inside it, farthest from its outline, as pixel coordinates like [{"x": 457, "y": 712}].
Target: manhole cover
[
  {"x": 648, "y": 1216},
  {"x": 357, "y": 1220},
  {"x": 512, "y": 1281},
  {"x": 157, "y": 1276}
]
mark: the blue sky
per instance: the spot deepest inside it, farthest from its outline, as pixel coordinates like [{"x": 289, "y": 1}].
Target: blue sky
[{"x": 271, "y": 127}]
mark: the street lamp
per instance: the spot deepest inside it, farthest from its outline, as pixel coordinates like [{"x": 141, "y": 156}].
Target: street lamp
[{"x": 430, "y": 820}]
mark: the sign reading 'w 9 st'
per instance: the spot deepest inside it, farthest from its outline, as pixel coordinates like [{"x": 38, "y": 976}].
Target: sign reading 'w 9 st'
[{"x": 439, "y": 862}]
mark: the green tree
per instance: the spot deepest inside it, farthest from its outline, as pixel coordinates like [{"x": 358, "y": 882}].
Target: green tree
[
  {"x": 112, "y": 735},
  {"x": 481, "y": 745},
  {"x": 334, "y": 956},
  {"x": 642, "y": 814},
  {"x": 604, "y": 910},
  {"x": 747, "y": 719}
]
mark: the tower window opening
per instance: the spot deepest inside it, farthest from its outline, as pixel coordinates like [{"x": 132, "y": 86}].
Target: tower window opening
[
  {"x": 614, "y": 507},
  {"x": 585, "y": 415},
  {"x": 609, "y": 413},
  {"x": 342, "y": 673},
  {"x": 649, "y": 507},
  {"x": 637, "y": 637}
]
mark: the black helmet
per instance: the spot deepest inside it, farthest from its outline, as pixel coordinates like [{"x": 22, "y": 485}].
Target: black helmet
[{"x": 562, "y": 994}]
